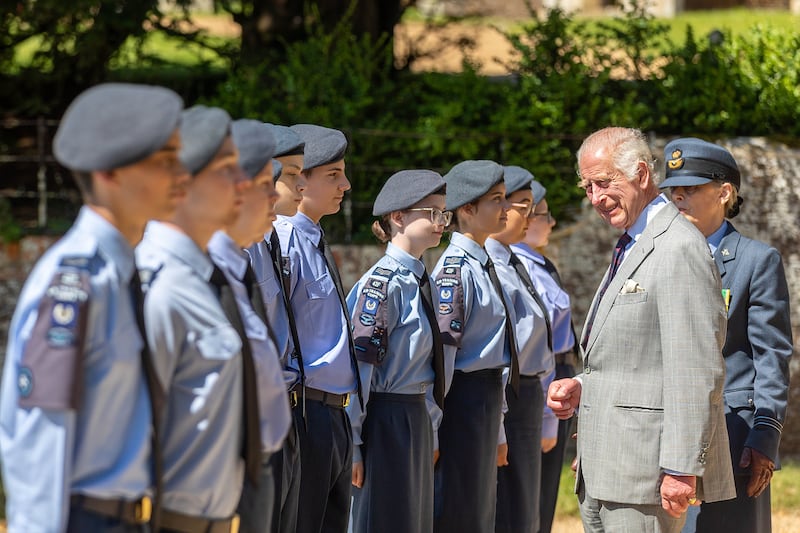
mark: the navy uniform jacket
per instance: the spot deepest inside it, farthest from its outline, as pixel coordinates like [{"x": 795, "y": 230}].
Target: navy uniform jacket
[{"x": 758, "y": 344}]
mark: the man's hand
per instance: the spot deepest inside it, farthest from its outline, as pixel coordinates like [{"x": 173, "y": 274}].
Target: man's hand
[
  {"x": 563, "y": 397},
  {"x": 358, "y": 474},
  {"x": 502, "y": 455},
  {"x": 548, "y": 444},
  {"x": 761, "y": 468},
  {"x": 678, "y": 493}
]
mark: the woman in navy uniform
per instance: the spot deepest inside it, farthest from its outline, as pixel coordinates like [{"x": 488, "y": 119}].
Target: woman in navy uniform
[
  {"x": 704, "y": 182},
  {"x": 401, "y": 361},
  {"x": 479, "y": 337}
]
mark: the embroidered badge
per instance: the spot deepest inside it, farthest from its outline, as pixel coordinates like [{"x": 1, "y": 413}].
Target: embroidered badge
[
  {"x": 445, "y": 309},
  {"x": 455, "y": 325},
  {"x": 385, "y": 272},
  {"x": 676, "y": 161},
  {"x": 453, "y": 260},
  {"x": 64, "y": 314},
  {"x": 367, "y": 320},
  {"x": 446, "y": 294},
  {"x": 370, "y": 305}
]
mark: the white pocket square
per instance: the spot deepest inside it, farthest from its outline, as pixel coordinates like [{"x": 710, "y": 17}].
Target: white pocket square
[{"x": 630, "y": 286}]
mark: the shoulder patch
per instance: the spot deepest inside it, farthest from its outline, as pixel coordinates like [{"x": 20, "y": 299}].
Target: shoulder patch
[
  {"x": 370, "y": 316},
  {"x": 51, "y": 369},
  {"x": 450, "y": 313},
  {"x": 454, "y": 260}
]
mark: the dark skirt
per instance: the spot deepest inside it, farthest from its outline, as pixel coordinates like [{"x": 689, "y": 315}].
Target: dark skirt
[
  {"x": 397, "y": 495},
  {"x": 466, "y": 474}
]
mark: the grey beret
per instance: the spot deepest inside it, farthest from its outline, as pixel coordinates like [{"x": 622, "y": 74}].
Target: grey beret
[
  {"x": 405, "y": 188},
  {"x": 539, "y": 192},
  {"x": 287, "y": 142},
  {"x": 516, "y": 178},
  {"x": 469, "y": 180},
  {"x": 323, "y": 145},
  {"x": 256, "y": 146},
  {"x": 277, "y": 169},
  {"x": 691, "y": 161},
  {"x": 114, "y": 125},
  {"x": 203, "y": 130}
]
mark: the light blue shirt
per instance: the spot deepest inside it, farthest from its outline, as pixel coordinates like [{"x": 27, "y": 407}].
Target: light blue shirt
[
  {"x": 321, "y": 323},
  {"x": 272, "y": 293},
  {"x": 477, "y": 306},
  {"x": 716, "y": 238},
  {"x": 533, "y": 355},
  {"x": 647, "y": 214},
  {"x": 198, "y": 359},
  {"x": 273, "y": 404},
  {"x": 408, "y": 366},
  {"x": 102, "y": 449},
  {"x": 555, "y": 299}
]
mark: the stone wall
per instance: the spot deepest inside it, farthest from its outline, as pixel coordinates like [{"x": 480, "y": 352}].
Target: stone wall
[{"x": 771, "y": 212}]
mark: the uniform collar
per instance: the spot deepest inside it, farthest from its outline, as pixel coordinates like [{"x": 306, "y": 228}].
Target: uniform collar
[
  {"x": 498, "y": 250},
  {"x": 471, "y": 247},
  {"x": 715, "y": 238},
  {"x": 109, "y": 240},
  {"x": 180, "y": 246},
  {"x": 225, "y": 252},
  {"x": 307, "y": 227},
  {"x": 523, "y": 249},
  {"x": 407, "y": 260}
]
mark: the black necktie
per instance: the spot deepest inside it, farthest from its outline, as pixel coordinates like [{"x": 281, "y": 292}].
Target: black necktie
[
  {"x": 275, "y": 254},
  {"x": 526, "y": 280},
  {"x": 256, "y": 300},
  {"x": 157, "y": 400},
  {"x": 616, "y": 260},
  {"x": 438, "y": 350},
  {"x": 510, "y": 337},
  {"x": 334, "y": 272},
  {"x": 251, "y": 451}
]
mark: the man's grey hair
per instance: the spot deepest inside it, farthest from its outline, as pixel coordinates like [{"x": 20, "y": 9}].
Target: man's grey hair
[{"x": 628, "y": 148}]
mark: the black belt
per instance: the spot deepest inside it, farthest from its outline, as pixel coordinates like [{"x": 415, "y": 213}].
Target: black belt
[
  {"x": 173, "y": 521},
  {"x": 328, "y": 398},
  {"x": 134, "y": 512}
]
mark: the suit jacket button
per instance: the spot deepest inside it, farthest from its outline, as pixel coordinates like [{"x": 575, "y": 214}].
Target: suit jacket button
[{"x": 587, "y": 370}]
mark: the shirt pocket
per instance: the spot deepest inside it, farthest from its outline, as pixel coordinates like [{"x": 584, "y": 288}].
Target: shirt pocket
[
  {"x": 560, "y": 300},
  {"x": 219, "y": 343},
  {"x": 320, "y": 288},
  {"x": 269, "y": 288}
]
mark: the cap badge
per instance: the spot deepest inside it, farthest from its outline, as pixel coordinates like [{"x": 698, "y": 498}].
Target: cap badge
[{"x": 676, "y": 160}]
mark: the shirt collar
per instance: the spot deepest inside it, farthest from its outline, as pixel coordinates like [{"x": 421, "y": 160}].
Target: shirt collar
[
  {"x": 498, "y": 250},
  {"x": 468, "y": 245},
  {"x": 715, "y": 238},
  {"x": 307, "y": 227},
  {"x": 406, "y": 259},
  {"x": 523, "y": 249},
  {"x": 176, "y": 243},
  {"x": 649, "y": 212},
  {"x": 225, "y": 252},
  {"x": 109, "y": 240}
]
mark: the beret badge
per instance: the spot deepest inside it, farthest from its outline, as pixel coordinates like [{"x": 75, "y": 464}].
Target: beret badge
[{"x": 676, "y": 161}]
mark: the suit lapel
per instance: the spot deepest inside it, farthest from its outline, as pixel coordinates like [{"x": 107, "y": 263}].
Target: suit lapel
[{"x": 636, "y": 255}]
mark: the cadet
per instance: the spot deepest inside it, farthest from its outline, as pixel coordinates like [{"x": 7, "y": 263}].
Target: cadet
[
  {"x": 256, "y": 147},
  {"x": 267, "y": 262},
  {"x": 547, "y": 282},
  {"x": 519, "y": 479},
  {"x": 198, "y": 351},
  {"x": 474, "y": 325},
  {"x": 401, "y": 361},
  {"x": 325, "y": 336},
  {"x": 75, "y": 412}
]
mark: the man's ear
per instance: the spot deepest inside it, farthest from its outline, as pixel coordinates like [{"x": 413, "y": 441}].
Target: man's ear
[{"x": 643, "y": 175}]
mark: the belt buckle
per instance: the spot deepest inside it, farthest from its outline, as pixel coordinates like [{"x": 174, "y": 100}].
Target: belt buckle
[
  {"x": 346, "y": 401},
  {"x": 143, "y": 510},
  {"x": 293, "y": 398},
  {"x": 235, "y": 524}
]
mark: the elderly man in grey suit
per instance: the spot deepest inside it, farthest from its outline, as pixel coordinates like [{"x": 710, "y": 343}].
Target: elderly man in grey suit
[{"x": 651, "y": 432}]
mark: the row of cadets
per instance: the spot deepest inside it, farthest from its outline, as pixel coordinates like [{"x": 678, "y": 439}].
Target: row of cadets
[
  {"x": 519, "y": 475},
  {"x": 268, "y": 267},
  {"x": 401, "y": 361},
  {"x": 256, "y": 145},
  {"x": 79, "y": 393},
  {"x": 202, "y": 357},
  {"x": 477, "y": 329}
]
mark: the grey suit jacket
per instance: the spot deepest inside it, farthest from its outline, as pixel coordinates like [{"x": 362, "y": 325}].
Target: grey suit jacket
[
  {"x": 653, "y": 372},
  {"x": 758, "y": 345}
]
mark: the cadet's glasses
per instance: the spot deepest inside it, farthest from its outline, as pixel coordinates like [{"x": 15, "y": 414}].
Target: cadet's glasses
[{"x": 442, "y": 218}]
